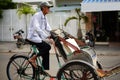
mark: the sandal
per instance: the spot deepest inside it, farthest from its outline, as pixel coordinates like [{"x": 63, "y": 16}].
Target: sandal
[{"x": 101, "y": 73}]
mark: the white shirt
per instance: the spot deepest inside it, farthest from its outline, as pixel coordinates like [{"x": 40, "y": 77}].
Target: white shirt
[{"x": 39, "y": 28}]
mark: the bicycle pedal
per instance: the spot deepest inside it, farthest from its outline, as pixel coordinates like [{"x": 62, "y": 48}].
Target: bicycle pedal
[{"x": 40, "y": 70}]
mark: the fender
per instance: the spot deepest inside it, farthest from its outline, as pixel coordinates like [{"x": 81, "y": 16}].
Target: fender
[{"x": 82, "y": 61}]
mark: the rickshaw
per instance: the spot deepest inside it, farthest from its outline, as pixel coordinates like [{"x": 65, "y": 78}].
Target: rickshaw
[{"x": 80, "y": 63}]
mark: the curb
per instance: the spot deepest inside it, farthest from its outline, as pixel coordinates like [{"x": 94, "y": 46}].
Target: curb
[
  {"x": 10, "y": 47},
  {"x": 26, "y": 50}
]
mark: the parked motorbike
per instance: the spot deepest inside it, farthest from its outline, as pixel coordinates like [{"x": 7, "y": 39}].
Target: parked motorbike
[
  {"x": 20, "y": 41},
  {"x": 89, "y": 39}
]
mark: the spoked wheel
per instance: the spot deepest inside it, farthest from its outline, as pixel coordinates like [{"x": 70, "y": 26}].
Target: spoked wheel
[
  {"x": 19, "y": 68},
  {"x": 76, "y": 70}
]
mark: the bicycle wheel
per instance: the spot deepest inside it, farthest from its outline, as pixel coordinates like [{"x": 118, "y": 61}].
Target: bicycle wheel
[
  {"x": 77, "y": 70},
  {"x": 19, "y": 68}
]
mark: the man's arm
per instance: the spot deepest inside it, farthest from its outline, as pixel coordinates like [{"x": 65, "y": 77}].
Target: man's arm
[{"x": 37, "y": 25}]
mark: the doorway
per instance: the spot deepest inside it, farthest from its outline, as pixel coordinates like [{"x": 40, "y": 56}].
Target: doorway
[{"x": 107, "y": 26}]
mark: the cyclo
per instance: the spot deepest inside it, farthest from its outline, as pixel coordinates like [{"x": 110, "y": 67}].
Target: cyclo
[{"x": 80, "y": 63}]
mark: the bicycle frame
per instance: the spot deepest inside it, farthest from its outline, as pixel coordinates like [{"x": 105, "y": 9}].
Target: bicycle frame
[{"x": 39, "y": 61}]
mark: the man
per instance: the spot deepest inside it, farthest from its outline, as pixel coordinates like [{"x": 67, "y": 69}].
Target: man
[{"x": 39, "y": 35}]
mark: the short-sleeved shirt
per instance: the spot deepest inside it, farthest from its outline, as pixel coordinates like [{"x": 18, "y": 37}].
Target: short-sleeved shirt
[{"x": 39, "y": 28}]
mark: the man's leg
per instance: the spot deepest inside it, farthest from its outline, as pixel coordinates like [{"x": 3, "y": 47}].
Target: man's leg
[
  {"x": 44, "y": 52},
  {"x": 32, "y": 60},
  {"x": 45, "y": 61}
]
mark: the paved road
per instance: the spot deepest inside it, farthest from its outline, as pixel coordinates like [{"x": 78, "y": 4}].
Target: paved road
[
  {"x": 4, "y": 58},
  {"x": 107, "y": 56},
  {"x": 106, "y": 61}
]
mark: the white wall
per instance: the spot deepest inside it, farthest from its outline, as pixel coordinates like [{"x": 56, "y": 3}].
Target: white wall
[
  {"x": 57, "y": 20},
  {"x": 10, "y": 23}
]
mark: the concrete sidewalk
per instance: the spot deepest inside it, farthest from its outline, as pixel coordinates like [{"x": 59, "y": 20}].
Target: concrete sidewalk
[
  {"x": 10, "y": 47},
  {"x": 6, "y": 47}
]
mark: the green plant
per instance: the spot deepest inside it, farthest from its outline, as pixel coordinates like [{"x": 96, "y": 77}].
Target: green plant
[
  {"x": 6, "y": 4},
  {"x": 79, "y": 17},
  {"x": 25, "y": 9},
  {"x": 1, "y": 13}
]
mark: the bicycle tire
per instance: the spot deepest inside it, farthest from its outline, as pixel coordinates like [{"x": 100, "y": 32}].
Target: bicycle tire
[
  {"x": 77, "y": 70},
  {"x": 18, "y": 67}
]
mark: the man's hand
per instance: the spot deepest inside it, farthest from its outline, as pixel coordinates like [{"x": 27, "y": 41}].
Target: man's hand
[{"x": 51, "y": 41}]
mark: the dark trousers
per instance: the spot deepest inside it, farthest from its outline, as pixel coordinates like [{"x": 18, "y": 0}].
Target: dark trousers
[{"x": 44, "y": 49}]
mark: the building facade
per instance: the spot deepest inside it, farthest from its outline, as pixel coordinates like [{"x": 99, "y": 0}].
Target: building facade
[{"x": 104, "y": 16}]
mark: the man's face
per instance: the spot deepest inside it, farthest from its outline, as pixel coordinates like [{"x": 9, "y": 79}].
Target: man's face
[{"x": 45, "y": 10}]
